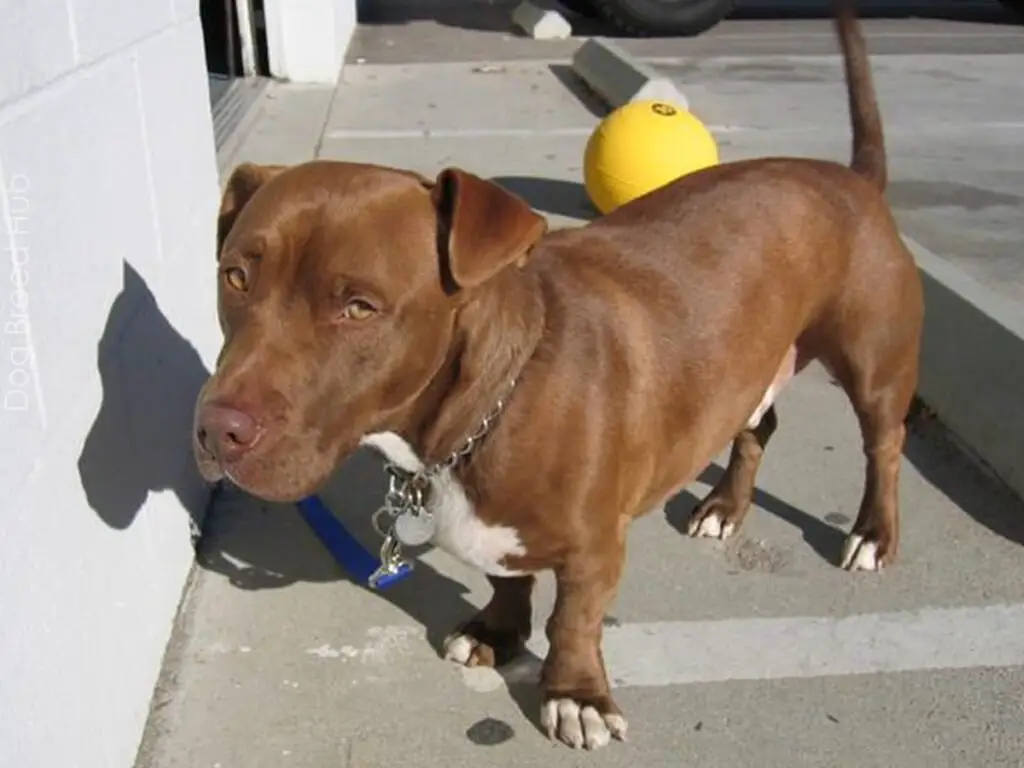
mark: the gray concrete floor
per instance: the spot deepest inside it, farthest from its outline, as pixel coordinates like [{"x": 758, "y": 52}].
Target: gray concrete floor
[{"x": 279, "y": 660}]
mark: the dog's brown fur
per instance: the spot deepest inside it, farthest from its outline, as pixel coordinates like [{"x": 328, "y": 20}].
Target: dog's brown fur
[{"x": 357, "y": 299}]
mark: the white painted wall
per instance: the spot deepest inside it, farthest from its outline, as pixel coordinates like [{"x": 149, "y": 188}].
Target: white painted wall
[
  {"x": 109, "y": 190},
  {"x": 308, "y": 39}
]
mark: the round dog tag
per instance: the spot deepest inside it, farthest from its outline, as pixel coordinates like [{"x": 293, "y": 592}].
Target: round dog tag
[{"x": 415, "y": 529}]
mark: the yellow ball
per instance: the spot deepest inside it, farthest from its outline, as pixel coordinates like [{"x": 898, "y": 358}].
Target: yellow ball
[{"x": 641, "y": 146}]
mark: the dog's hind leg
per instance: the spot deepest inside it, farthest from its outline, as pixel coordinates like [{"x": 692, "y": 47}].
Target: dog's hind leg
[
  {"x": 876, "y": 362},
  {"x": 721, "y": 512},
  {"x": 880, "y": 393}
]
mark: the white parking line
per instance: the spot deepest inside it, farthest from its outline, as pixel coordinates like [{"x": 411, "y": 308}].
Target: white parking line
[
  {"x": 931, "y": 130},
  {"x": 677, "y": 652},
  {"x": 456, "y": 133}
]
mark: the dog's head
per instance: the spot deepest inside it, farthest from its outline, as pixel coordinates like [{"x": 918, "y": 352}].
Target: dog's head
[{"x": 338, "y": 290}]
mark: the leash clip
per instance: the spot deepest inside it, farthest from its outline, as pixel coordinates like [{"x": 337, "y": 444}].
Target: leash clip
[{"x": 392, "y": 563}]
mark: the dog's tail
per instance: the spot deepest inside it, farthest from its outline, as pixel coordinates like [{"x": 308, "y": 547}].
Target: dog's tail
[{"x": 868, "y": 139}]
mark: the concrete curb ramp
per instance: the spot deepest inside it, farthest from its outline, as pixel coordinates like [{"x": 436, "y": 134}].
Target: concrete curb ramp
[
  {"x": 618, "y": 78},
  {"x": 972, "y": 364},
  {"x": 972, "y": 354},
  {"x": 541, "y": 22}
]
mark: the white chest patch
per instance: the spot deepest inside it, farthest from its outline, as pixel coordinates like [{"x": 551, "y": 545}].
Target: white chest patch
[{"x": 459, "y": 531}]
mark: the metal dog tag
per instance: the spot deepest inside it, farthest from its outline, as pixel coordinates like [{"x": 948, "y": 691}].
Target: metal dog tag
[{"x": 414, "y": 529}]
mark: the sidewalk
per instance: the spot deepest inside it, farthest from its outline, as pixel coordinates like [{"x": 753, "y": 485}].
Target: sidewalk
[{"x": 280, "y": 661}]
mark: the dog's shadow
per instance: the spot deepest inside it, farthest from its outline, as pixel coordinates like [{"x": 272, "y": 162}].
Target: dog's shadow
[
  {"x": 821, "y": 536},
  {"x": 521, "y": 677},
  {"x": 259, "y": 545},
  {"x": 140, "y": 441},
  {"x": 552, "y": 196},
  {"x": 932, "y": 451}
]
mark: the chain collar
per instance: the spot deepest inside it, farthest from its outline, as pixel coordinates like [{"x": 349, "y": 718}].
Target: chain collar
[
  {"x": 406, "y": 496},
  {"x": 463, "y": 452}
]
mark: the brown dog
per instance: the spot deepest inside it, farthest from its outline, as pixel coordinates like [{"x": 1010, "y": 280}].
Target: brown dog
[{"x": 367, "y": 305}]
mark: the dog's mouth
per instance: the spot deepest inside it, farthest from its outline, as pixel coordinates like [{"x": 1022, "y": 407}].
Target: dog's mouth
[
  {"x": 284, "y": 474},
  {"x": 210, "y": 469}
]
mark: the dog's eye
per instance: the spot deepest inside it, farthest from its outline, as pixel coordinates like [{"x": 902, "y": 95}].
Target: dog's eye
[
  {"x": 358, "y": 309},
  {"x": 236, "y": 278}
]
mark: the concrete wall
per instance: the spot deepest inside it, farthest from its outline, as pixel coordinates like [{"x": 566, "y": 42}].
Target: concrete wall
[
  {"x": 109, "y": 190},
  {"x": 307, "y": 39}
]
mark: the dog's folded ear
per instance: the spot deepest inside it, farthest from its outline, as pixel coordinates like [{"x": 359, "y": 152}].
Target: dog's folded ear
[
  {"x": 482, "y": 228},
  {"x": 245, "y": 180}
]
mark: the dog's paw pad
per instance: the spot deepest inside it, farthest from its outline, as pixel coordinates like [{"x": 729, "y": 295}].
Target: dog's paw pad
[
  {"x": 861, "y": 554},
  {"x": 580, "y": 726},
  {"x": 710, "y": 526}
]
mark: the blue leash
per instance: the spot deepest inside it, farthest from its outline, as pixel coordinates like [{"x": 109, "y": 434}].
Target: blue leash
[{"x": 346, "y": 549}]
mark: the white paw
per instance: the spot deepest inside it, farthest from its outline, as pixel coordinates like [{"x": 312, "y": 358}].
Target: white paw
[
  {"x": 860, "y": 554},
  {"x": 459, "y": 648},
  {"x": 711, "y": 526},
  {"x": 565, "y": 720}
]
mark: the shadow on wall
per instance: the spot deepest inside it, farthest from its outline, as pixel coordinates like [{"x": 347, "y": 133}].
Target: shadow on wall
[{"x": 141, "y": 439}]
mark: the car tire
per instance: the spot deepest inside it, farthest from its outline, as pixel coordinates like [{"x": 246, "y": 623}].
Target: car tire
[
  {"x": 685, "y": 18},
  {"x": 582, "y": 7}
]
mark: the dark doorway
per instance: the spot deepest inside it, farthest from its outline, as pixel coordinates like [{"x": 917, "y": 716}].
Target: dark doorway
[
  {"x": 223, "y": 45},
  {"x": 237, "y": 61}
]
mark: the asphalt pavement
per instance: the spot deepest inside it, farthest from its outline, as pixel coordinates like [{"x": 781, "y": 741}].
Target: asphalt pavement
[{"x": 758, "y": 652}]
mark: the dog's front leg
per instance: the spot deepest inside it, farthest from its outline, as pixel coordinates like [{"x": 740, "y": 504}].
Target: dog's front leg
[
  {"x": 499, "y": 632},
  {"x": 578, "y": 708}
]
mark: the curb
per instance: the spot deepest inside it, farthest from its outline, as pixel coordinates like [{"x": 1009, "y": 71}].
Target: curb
[
  {"x": 618, "y": 78},
  {"x": 972, "y": 353},
  {"x": 541, "y": 21}
]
